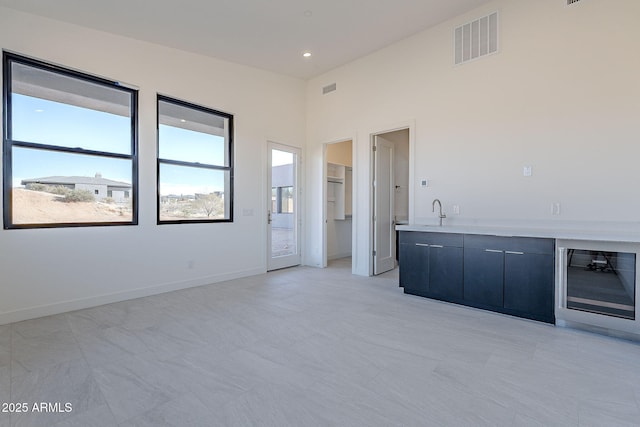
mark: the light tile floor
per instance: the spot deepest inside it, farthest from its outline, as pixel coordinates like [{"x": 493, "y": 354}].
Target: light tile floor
[{"x": 312, "y": 347}]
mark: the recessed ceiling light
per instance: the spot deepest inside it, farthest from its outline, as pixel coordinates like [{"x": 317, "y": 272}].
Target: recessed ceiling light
[
  {"x": 183, "y": 121},
  {"x": 308, "y": 13},
  {"x": 306, "y": 54},
  {"x": 39, "y": 110}
]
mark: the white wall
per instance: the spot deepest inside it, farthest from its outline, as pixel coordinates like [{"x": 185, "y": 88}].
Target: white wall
[
  {"x": 562, "y": 95},
  {"x": 340, "y": 153},
  {"x": 40, "y": 272}
]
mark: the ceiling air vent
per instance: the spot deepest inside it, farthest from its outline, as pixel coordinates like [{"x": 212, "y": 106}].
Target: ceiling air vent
[
  {"x": 476, "y": 39},
  {"x": 570, "y": 2},
  {"x": 328, "y": 88}
]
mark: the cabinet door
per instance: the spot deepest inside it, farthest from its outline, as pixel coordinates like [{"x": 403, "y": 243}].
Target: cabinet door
[
  {"x": 445, "y": 272},
  {"x": 529, "y": 285},
  {"x": 483, "y": 277},
  {"x": 414, "y": 268}
]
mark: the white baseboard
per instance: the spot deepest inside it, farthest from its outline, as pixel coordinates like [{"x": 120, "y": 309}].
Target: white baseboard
[{"x": 94, "y": 301}]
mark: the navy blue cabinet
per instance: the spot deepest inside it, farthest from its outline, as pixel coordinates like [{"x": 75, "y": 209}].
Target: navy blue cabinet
[
  {"x": 415, "y": 277},
  {"x": 512, "y": 275},
  {"x": 529, "y": 285},
  {"x": 445, "y": 272},
  {"x": 431, "y": 264},
  {"x": 483, "y": 277}
]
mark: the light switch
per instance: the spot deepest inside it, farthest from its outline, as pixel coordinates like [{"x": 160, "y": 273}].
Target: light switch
[
  {"x": 424, "y": 182},
  {"x": 526, "y": 171}
]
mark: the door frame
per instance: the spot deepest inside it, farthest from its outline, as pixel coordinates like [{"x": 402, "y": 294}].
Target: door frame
[
  {"x": 380, "y": 211},
  {"x": 297, "y": 208},
  {"x": 325, "y": 215},
  {"x": 410, "y": 125}
]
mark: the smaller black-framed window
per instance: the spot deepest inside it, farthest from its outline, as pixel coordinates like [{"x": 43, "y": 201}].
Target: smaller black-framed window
[
  {"x": 68, "y": 138},
  {"x": 195, "y": 163}
]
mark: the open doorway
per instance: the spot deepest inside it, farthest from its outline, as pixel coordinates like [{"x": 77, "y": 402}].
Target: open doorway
[
  {"x": 390, "y": 165},
  {"x": 338, "y": 201}
]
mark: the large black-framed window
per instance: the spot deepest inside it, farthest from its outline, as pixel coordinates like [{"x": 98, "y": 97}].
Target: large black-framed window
[
  {"x": 195, "y": 163},
  {"x": 69, "y": 147}
]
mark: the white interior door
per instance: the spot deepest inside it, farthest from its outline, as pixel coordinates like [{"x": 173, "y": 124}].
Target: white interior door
[
  {"x": 383, "y": 194},
  {"x": 283, "y": 218}
]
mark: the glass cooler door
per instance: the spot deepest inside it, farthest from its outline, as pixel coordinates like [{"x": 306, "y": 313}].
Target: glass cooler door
[{"x": 601, "y": 282}]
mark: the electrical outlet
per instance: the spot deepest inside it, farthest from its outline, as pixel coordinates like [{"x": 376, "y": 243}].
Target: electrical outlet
[
  {"x": 424, "y": 182},
  {"x": 526, "y": 171},
  {"x": 555, "y": 208},
  {"x": 456, "y": 209}
]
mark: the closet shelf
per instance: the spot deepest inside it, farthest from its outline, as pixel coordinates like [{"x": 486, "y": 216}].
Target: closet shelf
[{"x": 339, "y": 195}]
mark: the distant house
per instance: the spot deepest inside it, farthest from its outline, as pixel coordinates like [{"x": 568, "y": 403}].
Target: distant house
[
  {"x": 174, "y": 198},
  {"x": 205, "y": 195},
  {"x": 101, "y": 187}
]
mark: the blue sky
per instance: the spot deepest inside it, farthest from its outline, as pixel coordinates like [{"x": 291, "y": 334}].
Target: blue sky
[
  {"x": 190, "y": 146},
  {"x": 48, "y": 122},
  {"x": 279, "y": 158}
]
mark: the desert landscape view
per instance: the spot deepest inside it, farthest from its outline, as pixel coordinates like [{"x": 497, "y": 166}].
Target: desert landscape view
[
  {"x": 46, "y": 207},
  {"x": 40, "y": 207}
]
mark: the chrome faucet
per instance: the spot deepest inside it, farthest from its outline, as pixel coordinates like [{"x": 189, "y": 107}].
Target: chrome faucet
[{"x": 433, "y": 209}]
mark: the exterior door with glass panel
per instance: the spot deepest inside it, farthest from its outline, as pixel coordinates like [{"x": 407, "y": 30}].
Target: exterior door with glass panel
[{"x": 283, "y": 221}]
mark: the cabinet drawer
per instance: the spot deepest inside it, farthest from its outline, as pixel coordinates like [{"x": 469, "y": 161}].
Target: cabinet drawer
[
  {"x": 425, "y": 238},
  {"x": 532, "y": 245}
]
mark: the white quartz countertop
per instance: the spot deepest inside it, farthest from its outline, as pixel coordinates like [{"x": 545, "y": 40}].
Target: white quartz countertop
[{"x": 595, "y": 233}]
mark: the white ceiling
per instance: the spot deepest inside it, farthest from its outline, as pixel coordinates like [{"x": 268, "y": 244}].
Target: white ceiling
[{"x": 268, "y": 34}]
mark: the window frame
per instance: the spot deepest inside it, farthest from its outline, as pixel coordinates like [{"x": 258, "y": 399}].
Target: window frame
[
  {"x": 8, "y": 143},
  {"x": 160, "y": 161}
]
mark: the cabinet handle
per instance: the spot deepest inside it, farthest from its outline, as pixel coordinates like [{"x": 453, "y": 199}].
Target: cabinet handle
[
  {"x": 437, "y": 246},
  {"x": 422, "y": 244},
  {"x": 514, "y": 253},
  {"x": 496, "y": 251}
]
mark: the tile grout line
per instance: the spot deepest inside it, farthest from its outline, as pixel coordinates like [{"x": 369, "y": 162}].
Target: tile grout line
[
  {"x": 336, "y": 294},
  {"x": 84, "y": 357}
]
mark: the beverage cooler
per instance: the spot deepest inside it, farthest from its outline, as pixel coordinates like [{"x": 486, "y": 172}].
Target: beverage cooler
[{"x": 597, "y": 286}]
